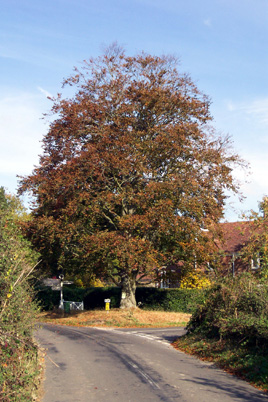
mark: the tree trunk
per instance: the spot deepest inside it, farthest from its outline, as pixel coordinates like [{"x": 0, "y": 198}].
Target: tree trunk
[{"x": 128, "y": 287}]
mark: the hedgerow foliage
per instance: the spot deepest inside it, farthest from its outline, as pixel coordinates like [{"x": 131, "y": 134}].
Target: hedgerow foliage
[
  {"x": 181, "y": 300},
  {"x": 235, "y": 308},
  {"x": 18, "y": 353}
]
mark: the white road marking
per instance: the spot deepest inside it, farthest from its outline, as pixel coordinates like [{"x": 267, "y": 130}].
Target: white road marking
[{"x": 135, "y": 333}]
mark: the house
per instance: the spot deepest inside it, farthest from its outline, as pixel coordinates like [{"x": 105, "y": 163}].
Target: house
[
  {"x": 229, "y": 255},
  {"x": 170, "y": 276},
  {"x": 235, "y": 236}
]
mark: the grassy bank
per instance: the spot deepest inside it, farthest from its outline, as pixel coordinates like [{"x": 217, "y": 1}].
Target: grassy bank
[
  {"x": 234, "y": 358},
  {"x": 133, "y": 318}
]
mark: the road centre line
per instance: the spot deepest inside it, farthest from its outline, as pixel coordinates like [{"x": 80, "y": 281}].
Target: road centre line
[{"x": 135, "y": 333}]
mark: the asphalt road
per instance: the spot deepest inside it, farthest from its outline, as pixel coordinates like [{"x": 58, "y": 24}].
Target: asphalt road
[{"x": 133, "y": 365}]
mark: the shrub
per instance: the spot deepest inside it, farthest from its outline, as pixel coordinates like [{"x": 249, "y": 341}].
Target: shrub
[
  {"x": 195, "y": 279},
  {"x": 234, "y": 308}
]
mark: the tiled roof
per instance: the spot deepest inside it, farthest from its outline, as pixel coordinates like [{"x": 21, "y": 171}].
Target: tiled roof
[{"x": 235, "y": 236}]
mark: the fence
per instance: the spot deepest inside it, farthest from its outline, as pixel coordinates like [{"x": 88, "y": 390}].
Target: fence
[{"x": 72, "y": 305}]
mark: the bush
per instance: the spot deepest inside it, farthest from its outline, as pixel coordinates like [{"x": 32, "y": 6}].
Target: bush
[{"x": 234, "y": 308}]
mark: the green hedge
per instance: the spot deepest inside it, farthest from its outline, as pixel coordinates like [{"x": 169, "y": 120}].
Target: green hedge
[
  {"x": 183, "y": 300},
  {"x": 94, "y": 297},
  {"x": 48, "y": 299}
]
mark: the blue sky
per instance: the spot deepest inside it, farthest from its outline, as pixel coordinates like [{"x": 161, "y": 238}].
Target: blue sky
[{"x": 222, "y": 44}]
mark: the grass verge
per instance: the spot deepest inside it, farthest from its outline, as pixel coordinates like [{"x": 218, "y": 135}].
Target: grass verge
[
  {"x": 247, "y": 363},
  {"x": 133, "y": 318}
]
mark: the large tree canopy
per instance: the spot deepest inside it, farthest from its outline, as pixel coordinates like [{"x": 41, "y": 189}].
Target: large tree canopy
[{"x": 131, "y": 171}]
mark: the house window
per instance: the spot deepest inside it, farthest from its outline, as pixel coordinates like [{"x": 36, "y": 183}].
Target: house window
[
  {"x": 164, "y": 282},
  {"x": 256, "y": 262}
]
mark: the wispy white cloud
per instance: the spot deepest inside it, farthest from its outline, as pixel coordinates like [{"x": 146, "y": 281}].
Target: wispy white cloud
[
  {"x": 257, "y": 108},
  {"x": 45, "y": 92}
]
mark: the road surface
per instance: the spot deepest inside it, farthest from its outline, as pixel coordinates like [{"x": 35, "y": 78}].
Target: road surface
[{"x": 131, "y": 365}]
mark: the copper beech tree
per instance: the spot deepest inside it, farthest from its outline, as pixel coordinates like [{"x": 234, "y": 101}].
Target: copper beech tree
[{"x": 130, "y": 172}]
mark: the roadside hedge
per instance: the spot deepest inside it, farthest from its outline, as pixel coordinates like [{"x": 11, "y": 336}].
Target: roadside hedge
[
  {"x": 234, "y": 308},
  {"x": 94, "y": 297},
  {"x": 19, "y": 355},
  {"x": 231, "y": 327},
  {"x": 182, "y": 300},
  {"x": 49, "y": 299}
]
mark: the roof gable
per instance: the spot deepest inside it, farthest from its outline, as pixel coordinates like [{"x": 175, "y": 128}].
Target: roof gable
[{"x": 235, "y": 235}]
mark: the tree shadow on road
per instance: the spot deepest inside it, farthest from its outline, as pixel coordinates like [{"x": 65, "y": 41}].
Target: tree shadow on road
[{"x": 236, "y": 389}]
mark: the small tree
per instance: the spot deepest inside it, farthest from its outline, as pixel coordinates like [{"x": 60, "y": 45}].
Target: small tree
[{"x": 130, "y": 172}]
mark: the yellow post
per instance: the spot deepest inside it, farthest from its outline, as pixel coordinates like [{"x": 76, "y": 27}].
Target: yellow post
[{"x": 107, "y": 304}]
